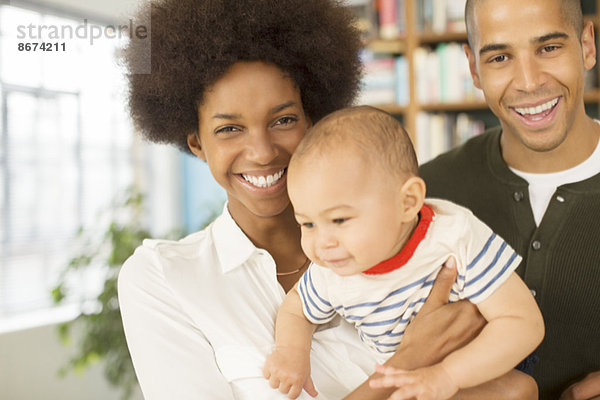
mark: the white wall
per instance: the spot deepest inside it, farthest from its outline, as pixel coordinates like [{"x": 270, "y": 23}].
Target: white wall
[
  {"x": 29, "y": 361},
  {"x": 110, "y": 10}
]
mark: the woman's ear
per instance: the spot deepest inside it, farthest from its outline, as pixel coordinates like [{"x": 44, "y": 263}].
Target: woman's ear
[
  {"x": 193, "y": 141},
  {"x": 412, "y": 197}
]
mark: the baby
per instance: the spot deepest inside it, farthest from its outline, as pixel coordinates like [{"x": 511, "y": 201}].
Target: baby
[{"x": 377, "y": 245}]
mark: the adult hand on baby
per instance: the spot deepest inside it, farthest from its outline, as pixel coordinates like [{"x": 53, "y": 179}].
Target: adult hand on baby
[
  {"x": 586, "y": 389},
  {"x": 288, "y": 369},
  {"x": 440, "y": 328},
  {"x": 430, "y": 383}
]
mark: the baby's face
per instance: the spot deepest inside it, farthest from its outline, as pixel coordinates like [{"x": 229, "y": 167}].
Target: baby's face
[{"x": 350, "y": 215}]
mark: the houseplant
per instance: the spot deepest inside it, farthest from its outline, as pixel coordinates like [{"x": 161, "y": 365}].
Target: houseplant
[{"x": 98, "y": 326}]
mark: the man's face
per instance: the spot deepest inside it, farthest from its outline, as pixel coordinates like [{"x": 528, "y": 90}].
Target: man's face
[{"x": 530, "y": 63}]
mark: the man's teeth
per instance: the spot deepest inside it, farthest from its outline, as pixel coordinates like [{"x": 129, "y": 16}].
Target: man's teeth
[
  {"x": 537, "y": 109},
  {"x": 264, "y": 181}
]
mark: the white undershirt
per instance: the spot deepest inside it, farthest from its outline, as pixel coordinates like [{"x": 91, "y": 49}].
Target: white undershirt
[{"x": 543, "y": 186}]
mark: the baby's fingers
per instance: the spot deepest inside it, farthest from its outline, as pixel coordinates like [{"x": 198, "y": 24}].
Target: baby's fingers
[
  {"x": 294, "y": 391},
  {"x": 406, "y": 393},
  {"x": 309, "y": 387},
  {"x": 274, "y": 382},
  {"x": 386, "y": 370},
  {"x": 396, "y": 379}
]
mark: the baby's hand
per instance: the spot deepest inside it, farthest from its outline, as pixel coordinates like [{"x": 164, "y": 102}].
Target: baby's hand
[
  {"x": 288, "y": 369},
  {"x": 430, "y": 383}
]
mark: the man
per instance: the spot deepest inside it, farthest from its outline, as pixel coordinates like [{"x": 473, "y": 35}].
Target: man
[{"x": 535, "y": 180}]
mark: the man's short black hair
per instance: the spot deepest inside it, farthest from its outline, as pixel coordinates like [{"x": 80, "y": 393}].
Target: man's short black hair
[{"x": 571, "y": 10}]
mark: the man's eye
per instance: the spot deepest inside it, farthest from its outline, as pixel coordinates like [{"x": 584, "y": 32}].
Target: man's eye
[
  {"x": 498, "y": 59},
  {"x": 550, "y": 48}
]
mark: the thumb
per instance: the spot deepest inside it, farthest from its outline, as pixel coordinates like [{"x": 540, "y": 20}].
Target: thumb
[
  {"x": 440, "y": 292},
  {"x": 309, "y": 387}
]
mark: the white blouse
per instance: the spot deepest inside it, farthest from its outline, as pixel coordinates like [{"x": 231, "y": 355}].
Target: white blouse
[{"x": 199, "y": 319}]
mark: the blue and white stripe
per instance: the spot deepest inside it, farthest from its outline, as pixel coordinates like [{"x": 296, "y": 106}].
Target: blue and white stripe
[{"x": 382, "y": 306}]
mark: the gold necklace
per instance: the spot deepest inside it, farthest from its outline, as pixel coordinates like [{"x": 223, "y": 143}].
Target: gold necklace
[{"x": 294, "y": 271}]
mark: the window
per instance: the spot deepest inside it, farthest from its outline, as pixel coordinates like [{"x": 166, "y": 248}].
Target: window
[{"x": 65, "y": 150}]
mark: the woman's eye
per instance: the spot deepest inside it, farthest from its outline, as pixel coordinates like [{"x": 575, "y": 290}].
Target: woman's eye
[
  {"x": 307, "y": 225},
  {"x": 226, "y": 130},
  {"x": 287, "y": 120},
  {"x": 339, "y": 221}
]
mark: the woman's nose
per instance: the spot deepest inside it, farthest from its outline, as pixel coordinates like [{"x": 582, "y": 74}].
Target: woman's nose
[{"x": 261, "y": 148}]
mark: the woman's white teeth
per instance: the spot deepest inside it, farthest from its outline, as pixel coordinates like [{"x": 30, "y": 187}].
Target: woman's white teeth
[
  {"x": 263, "y": 181},
  {"x": 537, "y": 109}
]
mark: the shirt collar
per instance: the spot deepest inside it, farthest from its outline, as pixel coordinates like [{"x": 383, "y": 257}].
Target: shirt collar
[
  {"x": 400, "y": 259},
  {"x": 502, "y": 172},
  {"x": 232, "y": 246}
]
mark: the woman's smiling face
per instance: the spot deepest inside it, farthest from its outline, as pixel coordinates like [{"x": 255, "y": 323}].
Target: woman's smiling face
[{"x": 249, "y": 123}]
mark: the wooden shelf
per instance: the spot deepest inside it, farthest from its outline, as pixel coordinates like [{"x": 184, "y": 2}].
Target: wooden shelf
[
  {"x": 398, "y": 45},
  {"x": 434, "y": 37},
  {"x": 592, "y": 96},
  {"x": 393, "y": 108},
  {"x": 393, "y": 46}
]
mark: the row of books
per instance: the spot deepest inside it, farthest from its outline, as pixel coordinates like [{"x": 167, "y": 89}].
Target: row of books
[
  {"x": 386, "y": 19},
  {"x": 442, "y": 75},
  {"x": 385, "y": 80},
  {"x": 441, "y": 15},
  {"x": 437, "y": 133}
]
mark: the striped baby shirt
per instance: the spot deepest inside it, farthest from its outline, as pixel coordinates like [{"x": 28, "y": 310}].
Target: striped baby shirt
[{"x": 381, "y": 301}]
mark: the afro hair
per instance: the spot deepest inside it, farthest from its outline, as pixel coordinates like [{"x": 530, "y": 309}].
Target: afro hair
[{"x": 194, "y": 42}]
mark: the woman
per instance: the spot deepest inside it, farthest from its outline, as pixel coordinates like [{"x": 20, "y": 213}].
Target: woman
[{"x": 237, "y": 83}]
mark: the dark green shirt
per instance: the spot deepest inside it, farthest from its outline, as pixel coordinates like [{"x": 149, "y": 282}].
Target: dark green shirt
[{"x": 561, "y": 257}]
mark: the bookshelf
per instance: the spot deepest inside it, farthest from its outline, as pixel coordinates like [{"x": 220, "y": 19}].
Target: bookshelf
[{"x": 404, "y": 75}]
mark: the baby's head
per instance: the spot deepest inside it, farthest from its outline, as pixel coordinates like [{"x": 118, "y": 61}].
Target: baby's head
[{"x": 355, "y": 191}]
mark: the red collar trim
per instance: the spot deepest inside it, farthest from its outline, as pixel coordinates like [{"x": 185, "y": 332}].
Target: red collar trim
[{"x": 409, "y": 248}]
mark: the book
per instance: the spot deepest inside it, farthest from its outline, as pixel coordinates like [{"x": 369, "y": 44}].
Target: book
[
  {"x": 439, "y": 132},
  {"x": 388, "y": 19}
]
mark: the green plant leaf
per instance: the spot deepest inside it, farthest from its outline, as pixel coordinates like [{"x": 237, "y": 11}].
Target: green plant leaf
[{"x": 101, "y": 333}]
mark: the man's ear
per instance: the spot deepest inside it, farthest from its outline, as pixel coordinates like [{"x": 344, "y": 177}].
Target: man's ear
[
  {"x": 413, "y": 197},
  {"x": 472, "y": 65},
  {"x": 588, "y": 46},
  {"x": 193, "y": 141}
]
